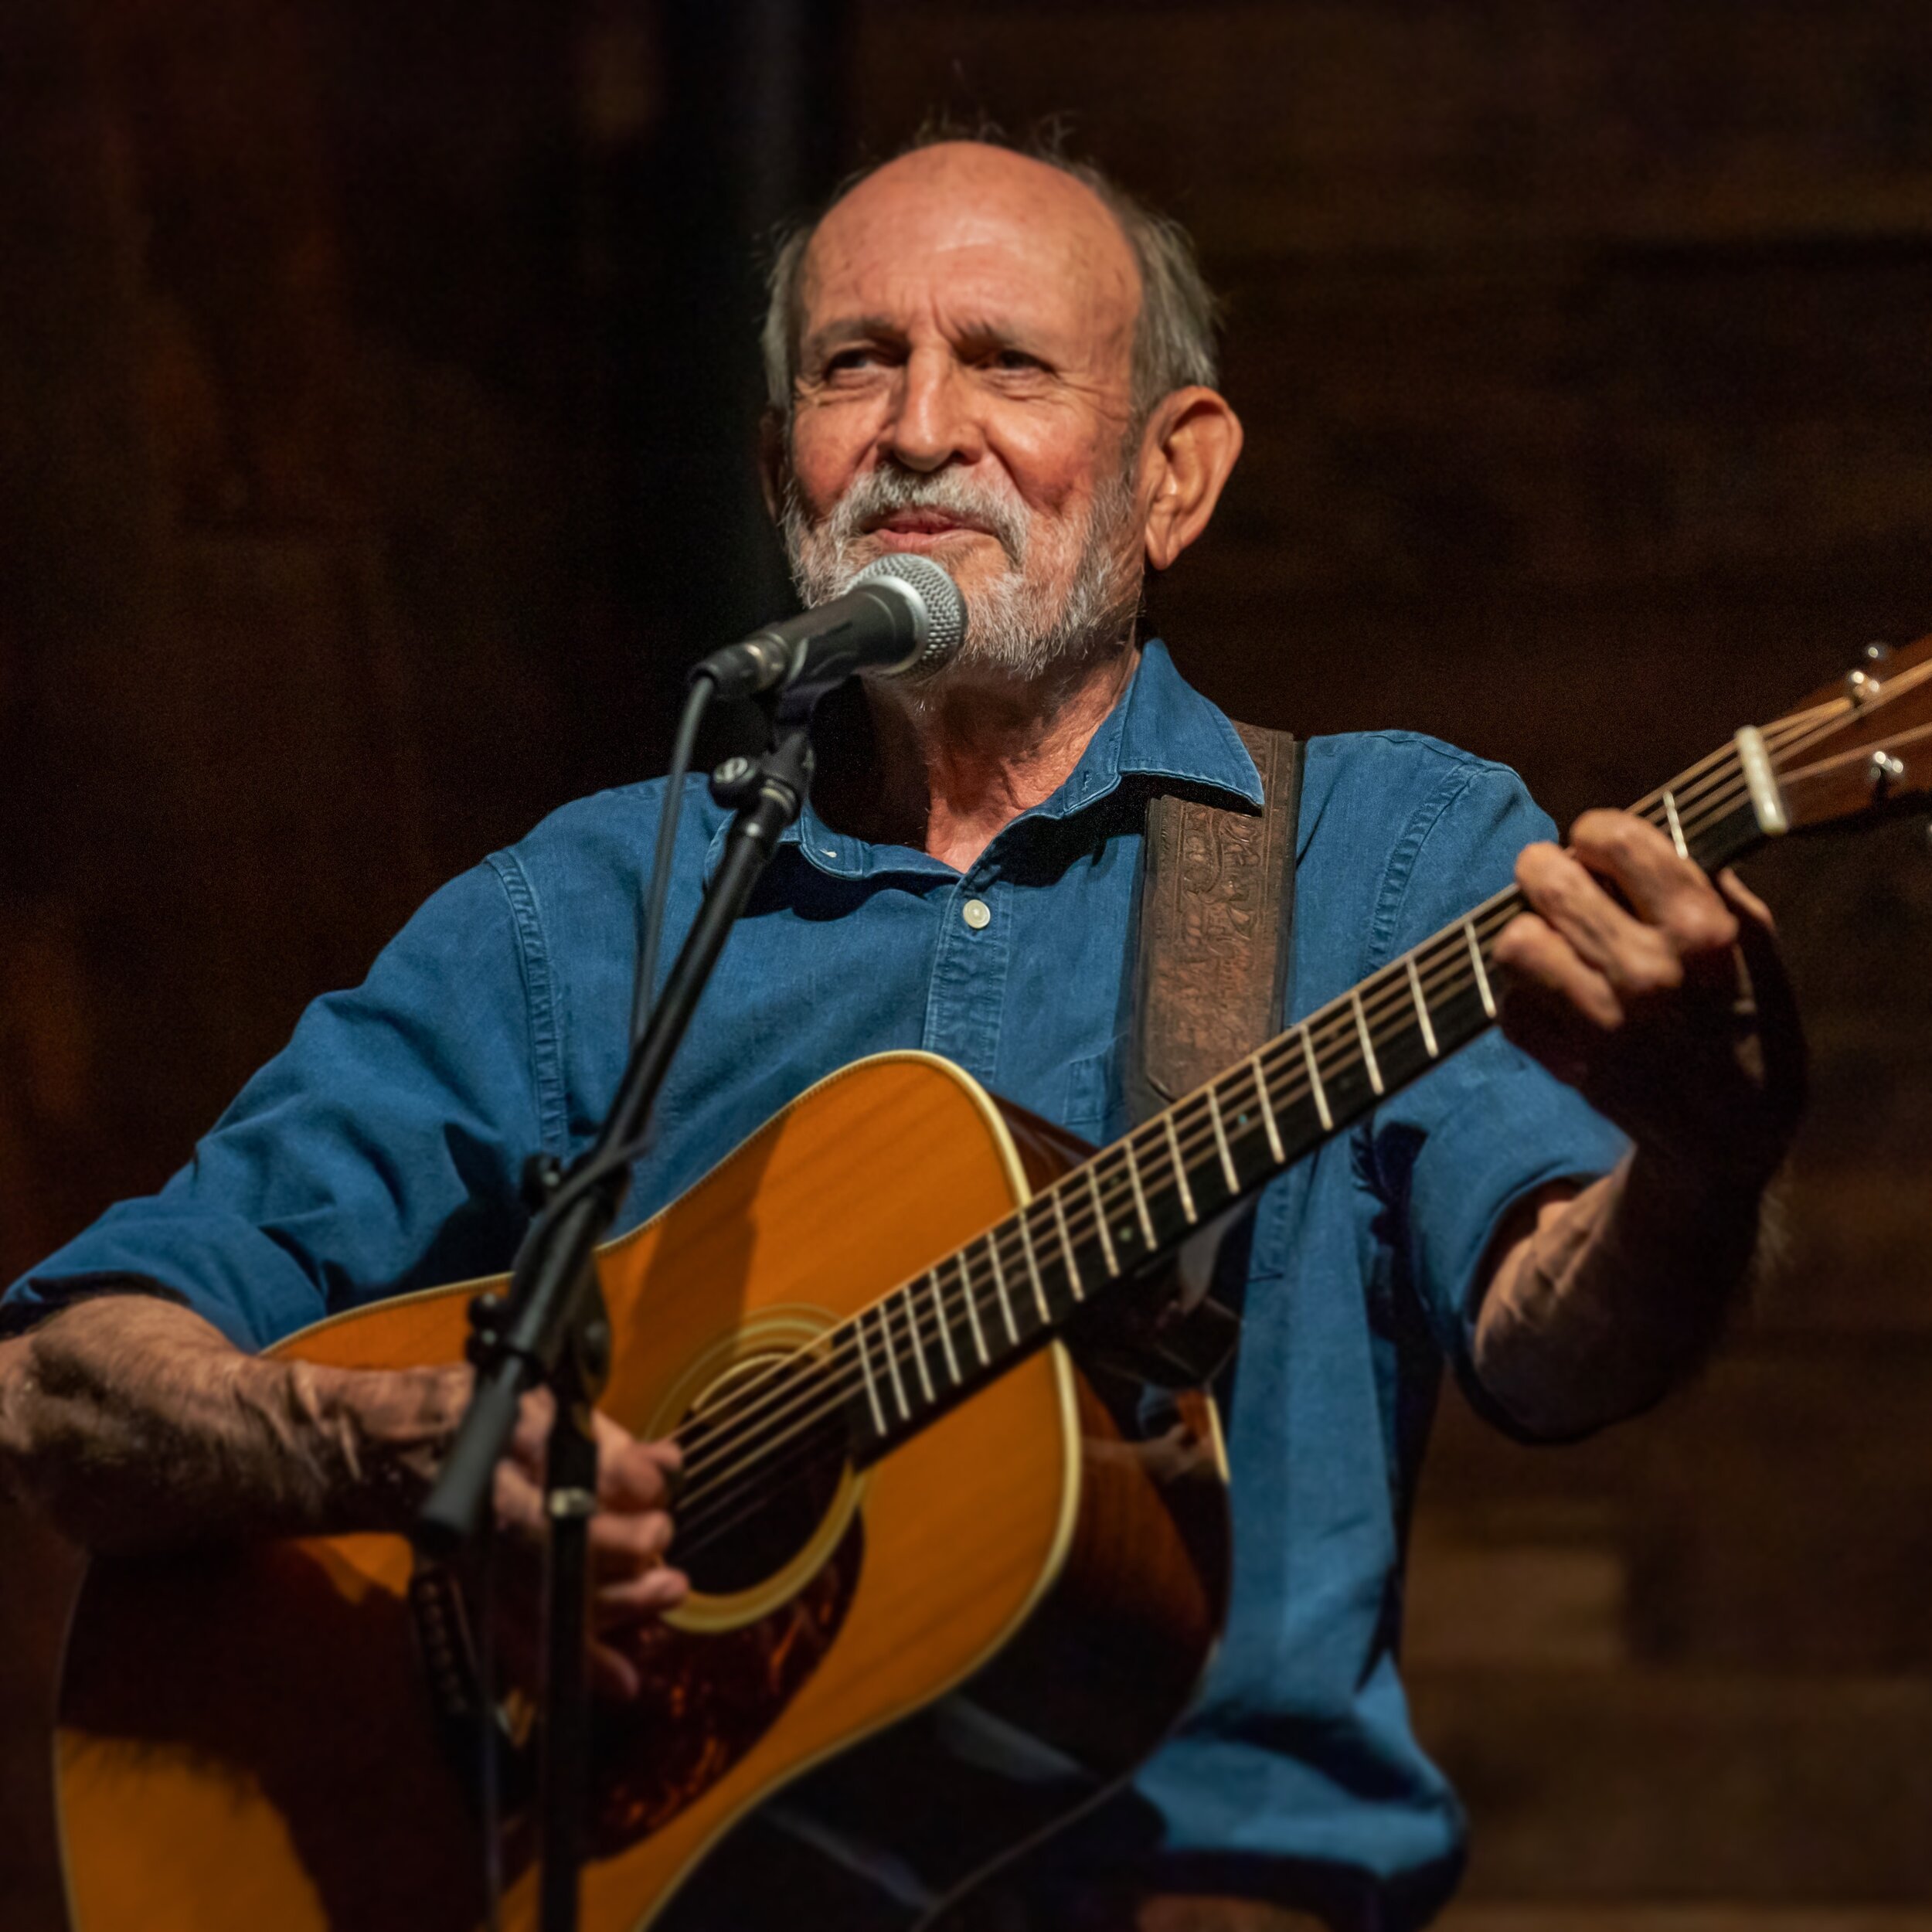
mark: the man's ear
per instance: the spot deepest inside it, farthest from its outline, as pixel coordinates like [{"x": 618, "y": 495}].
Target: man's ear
[
  {"x": 773, "y": 462},
  {"x": 1187, "y": 453}
]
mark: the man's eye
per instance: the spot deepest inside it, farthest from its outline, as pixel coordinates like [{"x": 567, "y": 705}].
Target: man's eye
[
  {"x": 1015, "y": 359},
  {"x": 849, "y": 359}
]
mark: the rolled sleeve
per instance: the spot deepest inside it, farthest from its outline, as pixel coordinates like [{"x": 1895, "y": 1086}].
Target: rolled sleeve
[
  {"x": 378, "y": 1151},
  {"x": 1454, "y": 1152},
  {"x": 1513, "y": 1130}
]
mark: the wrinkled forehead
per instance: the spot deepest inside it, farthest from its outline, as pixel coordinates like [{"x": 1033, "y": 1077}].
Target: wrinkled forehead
[{"x": 963, "y": 237}]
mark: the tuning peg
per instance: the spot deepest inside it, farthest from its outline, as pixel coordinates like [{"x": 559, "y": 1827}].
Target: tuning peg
[
  {"x": 1863, "y": 683},
  {"x": 1887, "y": 768}
]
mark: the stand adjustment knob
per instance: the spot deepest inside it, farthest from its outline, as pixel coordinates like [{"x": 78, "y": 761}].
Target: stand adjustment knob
[
  {"x": 486, "y": 1330},
  {"x": 731, "y": 782},
  {"x": 541, "y": 1174}
]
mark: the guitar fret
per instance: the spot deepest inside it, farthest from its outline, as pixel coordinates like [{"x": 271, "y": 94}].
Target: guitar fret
[
  {"x": 945, "y": 1325},
  {"x": 1140, "y": 1193},
  {"x": 892, "y": 1365},
  {"x": 1267, "y": 1112},
  {"x": 898, "y": 1401},
  {"x": 1676, "y": 825},
  {"x": 1314, "y": 1080},
  {"x": 1482, "y": 977},
  {"x": 1100, "y": 1221},
  {"x": 1180, "y": 1172},
  {"x": 865, "y": 1364},
  {"x": 1422, "y": 1006},
  {"x": 1221, "y": 1142},
  {"x": 1368, "y": 1045},
  {"x": 918, "y": 1348},
  {"x": 972, "y": 1309},
  {"x": 1032, "y": 1264},
  {"x": 1067, "y": 1247},
  {"x": 999, "y": 1288}
]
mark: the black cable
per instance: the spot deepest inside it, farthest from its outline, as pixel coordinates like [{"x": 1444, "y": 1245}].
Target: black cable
[
  {"x": 650, "y": 936},
  {"x": 489, "y": 1745},
  {"x": 650, "y": 933},
  {"x": 652, "y": 911}
]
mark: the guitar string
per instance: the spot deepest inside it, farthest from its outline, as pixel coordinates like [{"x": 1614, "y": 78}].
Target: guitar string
[
  {"x": 1153, "y": 1164},
  {"x": 1152, "y": 1159},
  {"x": 1442, "y": 975},
  {"x": 913, "y": 1316},
  {"x": 708, "y": 1485},
  {"x": 915, "y": 1319},
  {"x": 732, "y": 1496},
  {"x": 779, "y": 1457},
  {"x": 1389, "y": 993},
  {"x": 1324, "y": 1028}
]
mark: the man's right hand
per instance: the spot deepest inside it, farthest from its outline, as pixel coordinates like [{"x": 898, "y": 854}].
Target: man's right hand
[
  {"x": 631, "y": 1581},
  {"x": 133, "y": 1424}
]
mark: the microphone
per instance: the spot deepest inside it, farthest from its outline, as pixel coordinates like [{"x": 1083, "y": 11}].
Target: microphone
[{"x": 904, "y": 615}]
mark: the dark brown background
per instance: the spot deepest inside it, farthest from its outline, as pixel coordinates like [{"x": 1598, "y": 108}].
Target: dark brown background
[{"x": 374, "y": 392}]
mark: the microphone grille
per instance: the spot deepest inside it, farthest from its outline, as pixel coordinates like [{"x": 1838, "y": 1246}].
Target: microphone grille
[{"x": 931, "y": 584}]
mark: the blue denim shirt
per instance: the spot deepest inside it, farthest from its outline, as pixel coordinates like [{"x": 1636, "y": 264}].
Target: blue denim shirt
[{"x": 380, "y": 1151}]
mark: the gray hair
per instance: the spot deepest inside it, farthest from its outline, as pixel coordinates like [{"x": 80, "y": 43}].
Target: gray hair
[{"x": 1174, "y": 331}]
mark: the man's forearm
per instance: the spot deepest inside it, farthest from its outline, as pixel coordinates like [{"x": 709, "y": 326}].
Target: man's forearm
[
  {"x": 1612, "y": 1296},
  {"x": 132, "y": 1424}
]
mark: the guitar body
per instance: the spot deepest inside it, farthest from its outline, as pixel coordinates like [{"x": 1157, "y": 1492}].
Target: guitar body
[{"x": 944, "y": 1657}]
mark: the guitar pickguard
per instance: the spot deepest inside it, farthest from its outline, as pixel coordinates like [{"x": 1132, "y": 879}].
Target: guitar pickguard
[{"x": 707, "y": 1699}]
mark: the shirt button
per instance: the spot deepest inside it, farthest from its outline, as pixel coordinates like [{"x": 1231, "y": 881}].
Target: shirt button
[{"x": 977, "y": 913}]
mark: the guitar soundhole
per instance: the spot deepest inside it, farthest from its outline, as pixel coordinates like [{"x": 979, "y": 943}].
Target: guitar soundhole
[{"x": 766, "y": 1454}]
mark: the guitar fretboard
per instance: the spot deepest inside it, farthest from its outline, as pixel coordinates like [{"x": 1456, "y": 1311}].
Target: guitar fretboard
[
  {"x": 889, "y": 1371},
  {"x": 933, "y": 1340},
  {"x": 884, "y": 1373}
]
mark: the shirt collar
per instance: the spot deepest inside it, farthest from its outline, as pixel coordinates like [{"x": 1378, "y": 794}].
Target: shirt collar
[
  {"x": 1161, "y": 728},
  {"x": 1167, "y": 730}
]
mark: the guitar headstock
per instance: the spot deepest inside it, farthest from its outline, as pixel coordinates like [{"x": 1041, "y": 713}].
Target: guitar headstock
[{"x": 1861, "y": 746}]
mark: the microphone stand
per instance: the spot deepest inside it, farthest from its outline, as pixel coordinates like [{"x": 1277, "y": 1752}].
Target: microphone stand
[{"x": 552, "y": 1329}]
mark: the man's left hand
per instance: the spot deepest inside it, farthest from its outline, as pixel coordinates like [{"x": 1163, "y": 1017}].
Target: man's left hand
[{"x": 1659, "y": 994}]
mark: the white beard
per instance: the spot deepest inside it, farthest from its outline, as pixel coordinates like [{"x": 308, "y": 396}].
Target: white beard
[{"x": 1020, "y": 625}]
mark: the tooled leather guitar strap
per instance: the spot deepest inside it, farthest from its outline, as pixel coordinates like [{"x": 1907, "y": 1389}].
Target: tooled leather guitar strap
[{"x": 1216, "y": 919}]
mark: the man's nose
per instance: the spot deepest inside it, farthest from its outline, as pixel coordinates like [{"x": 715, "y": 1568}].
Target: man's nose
[{"x": 935, "y": 423}]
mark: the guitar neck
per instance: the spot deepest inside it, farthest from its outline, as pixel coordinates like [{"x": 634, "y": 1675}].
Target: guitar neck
[{"x": 1008, "y": 1291}]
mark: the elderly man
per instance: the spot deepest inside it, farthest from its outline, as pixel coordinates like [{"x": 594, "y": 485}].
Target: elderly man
[{"x": 999, "y": 362}]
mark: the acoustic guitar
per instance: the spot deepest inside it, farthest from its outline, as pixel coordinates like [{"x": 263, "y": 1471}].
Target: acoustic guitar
[{"x": 955, "y": 1573}]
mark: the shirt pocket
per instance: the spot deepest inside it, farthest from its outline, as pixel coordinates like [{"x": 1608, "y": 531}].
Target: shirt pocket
[{"x": 1086, "y": 1095}]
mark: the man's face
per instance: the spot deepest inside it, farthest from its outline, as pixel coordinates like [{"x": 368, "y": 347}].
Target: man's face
[{"x": 964, "y": 390}]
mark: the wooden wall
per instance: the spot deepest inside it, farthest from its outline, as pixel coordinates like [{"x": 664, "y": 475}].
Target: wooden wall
[{"x": 349, "y": 442}]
